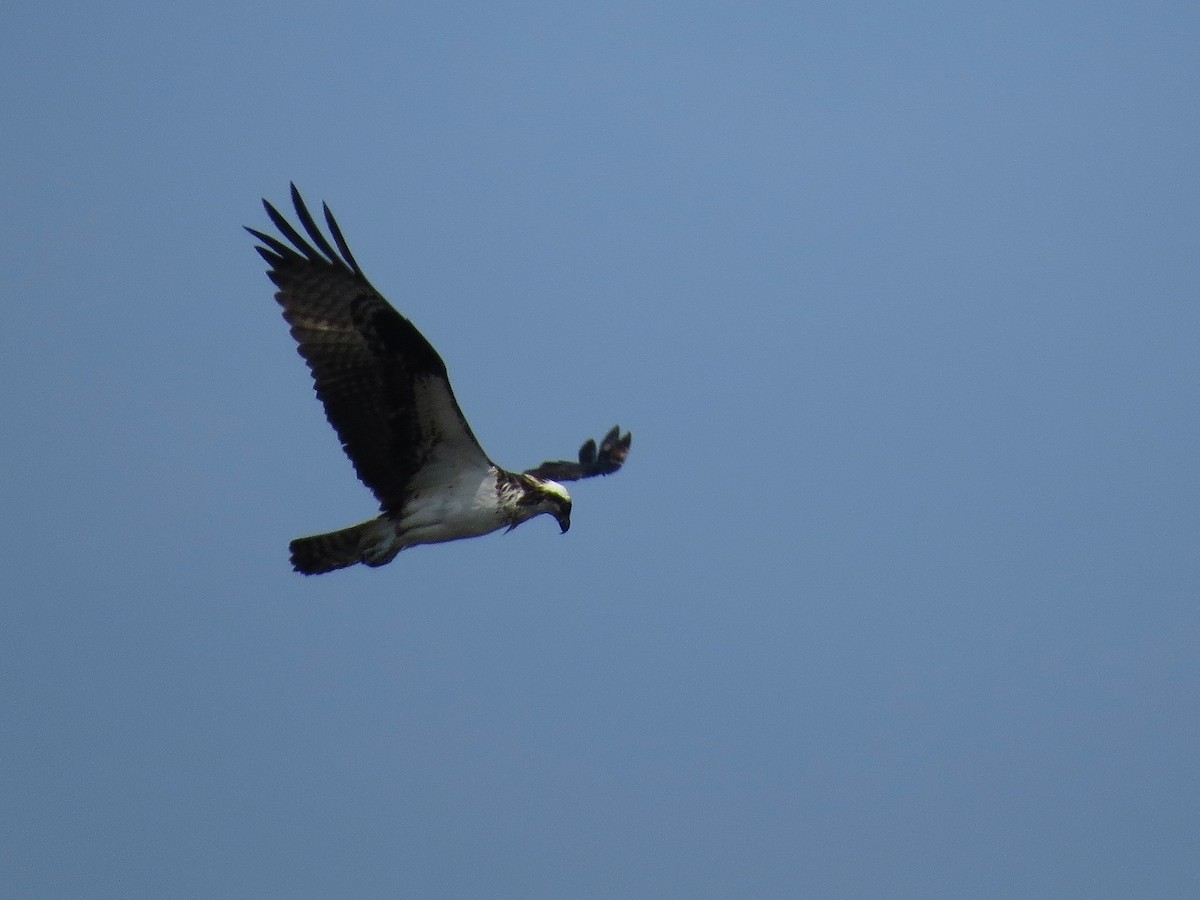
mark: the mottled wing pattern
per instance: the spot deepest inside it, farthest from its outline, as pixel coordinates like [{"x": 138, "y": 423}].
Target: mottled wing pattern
[
  {"x": 610, "y": 457},
  {"x": 384, "y": 387}
]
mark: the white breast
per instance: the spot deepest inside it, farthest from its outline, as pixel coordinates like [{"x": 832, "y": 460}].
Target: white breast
[{"x": 466, "y": 507}]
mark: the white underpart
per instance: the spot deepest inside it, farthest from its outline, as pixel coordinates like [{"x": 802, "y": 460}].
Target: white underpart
[{"x": 467, "y": 506}]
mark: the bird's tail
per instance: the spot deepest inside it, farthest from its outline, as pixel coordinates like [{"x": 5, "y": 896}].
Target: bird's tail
[{"x": 373, "y": 542}]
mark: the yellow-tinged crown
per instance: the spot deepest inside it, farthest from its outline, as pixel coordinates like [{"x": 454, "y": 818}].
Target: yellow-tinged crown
[{"x": 553, "y": 487}]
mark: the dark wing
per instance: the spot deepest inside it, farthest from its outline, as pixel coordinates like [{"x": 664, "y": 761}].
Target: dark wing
[
  {"x": 611, "y": 456},
  {"x": 384, "y": 387}
]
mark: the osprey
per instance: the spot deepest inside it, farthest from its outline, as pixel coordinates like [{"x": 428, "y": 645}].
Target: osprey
[{"x": 387, "y": 395}]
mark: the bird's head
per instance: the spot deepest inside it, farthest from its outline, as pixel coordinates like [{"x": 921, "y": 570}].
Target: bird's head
[{"x": 550, "y": 497}]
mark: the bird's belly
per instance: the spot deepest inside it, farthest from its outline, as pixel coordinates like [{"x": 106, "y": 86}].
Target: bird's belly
[{"x": 449, "y": 516}]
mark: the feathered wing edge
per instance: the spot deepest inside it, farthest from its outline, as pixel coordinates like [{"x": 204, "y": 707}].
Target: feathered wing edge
[
  {"x": 277, "y": 253},
  {"x": 610, "y": 456},
  {"x": 368, "y": 362}
]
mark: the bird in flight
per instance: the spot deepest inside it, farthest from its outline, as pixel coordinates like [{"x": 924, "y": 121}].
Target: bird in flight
[{"x": 387, "y": 395}]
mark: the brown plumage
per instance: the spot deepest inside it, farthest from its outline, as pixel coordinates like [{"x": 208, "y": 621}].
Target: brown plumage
[{"x": 387, "y": 395}]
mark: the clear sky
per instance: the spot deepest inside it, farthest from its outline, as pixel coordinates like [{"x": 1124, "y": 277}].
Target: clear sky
[{"x": 898, "y": 595}]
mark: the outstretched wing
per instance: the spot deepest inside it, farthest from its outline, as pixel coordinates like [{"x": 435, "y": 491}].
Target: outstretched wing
[
  {"x": 610, "y": 457},
  {"x": 384, "y": 387}
]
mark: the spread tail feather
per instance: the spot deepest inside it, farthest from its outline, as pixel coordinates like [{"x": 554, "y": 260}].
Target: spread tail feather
[{"x": 373, "y": 543}]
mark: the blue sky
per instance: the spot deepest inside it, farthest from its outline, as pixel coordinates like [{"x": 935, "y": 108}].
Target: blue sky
[{"x": 897, "y": 595}]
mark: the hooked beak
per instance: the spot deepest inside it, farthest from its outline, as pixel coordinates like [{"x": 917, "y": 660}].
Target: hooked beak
[{"x": 564, "y": 522}]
